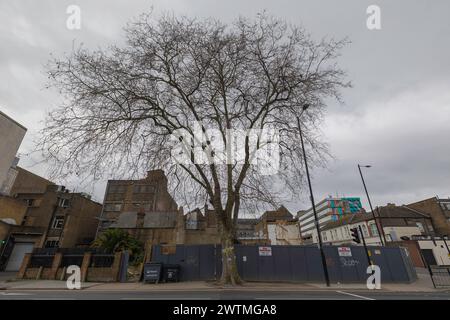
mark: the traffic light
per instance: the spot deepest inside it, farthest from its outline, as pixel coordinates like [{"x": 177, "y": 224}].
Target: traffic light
[{"x": 355, "y": 235}]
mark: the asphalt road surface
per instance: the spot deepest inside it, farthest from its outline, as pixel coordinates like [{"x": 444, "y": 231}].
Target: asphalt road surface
[{"x": 219, "y": 295}]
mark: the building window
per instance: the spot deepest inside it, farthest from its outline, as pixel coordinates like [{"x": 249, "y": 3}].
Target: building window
[
  {"x": 324, "y": 236},
  {"x": 142, "y": 205},
  {"x": 114, "y": 207},
  {"x": 373, "y": 230},
  {"x": 29, "y": 202},
  {"x": 58, "y": 223},
  {"x": 117, "y": 188},
  {"x": 143, "y": 189},
  {"x": 64, "y": 203},
  {"x": 364, "y": 229},
  {"x": 420, "y": 226},
  {"x": 52, "y": 244}
]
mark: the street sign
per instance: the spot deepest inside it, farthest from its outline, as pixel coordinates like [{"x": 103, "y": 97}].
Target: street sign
[
  {"x": 344, "y": 252},
  {"x": 265, "y": 251}
]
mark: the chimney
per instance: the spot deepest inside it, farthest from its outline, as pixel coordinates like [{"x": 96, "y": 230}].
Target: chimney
[
  {"x": 157, "y": 175},
  {"x": 140, "y": 218},
  {"x": 390, "y": 205}
]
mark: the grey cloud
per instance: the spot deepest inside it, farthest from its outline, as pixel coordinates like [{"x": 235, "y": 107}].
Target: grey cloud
[{"x": 396, "y": 116}]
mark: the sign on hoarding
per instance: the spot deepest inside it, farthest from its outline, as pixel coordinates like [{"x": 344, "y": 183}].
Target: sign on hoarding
[
  {"x": 265, "y": 251},
  {"x": 344, "y": 252}
]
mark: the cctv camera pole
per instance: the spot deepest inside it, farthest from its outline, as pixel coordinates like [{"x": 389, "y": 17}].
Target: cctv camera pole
[
  {"x": 316, "y": 221},
  {"x": 370, "y": 205}
]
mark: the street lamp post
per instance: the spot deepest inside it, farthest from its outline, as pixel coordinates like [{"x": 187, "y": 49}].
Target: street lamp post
[
  {"x": 370, "y": 203},
  {"x": 316, "y": 221}
]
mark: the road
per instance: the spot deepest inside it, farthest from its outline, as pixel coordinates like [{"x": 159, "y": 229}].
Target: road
[{"x": 219, "y": 295}]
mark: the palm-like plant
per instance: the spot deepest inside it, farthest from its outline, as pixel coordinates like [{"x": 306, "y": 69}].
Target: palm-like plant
[{"x": 114, "y": 240}]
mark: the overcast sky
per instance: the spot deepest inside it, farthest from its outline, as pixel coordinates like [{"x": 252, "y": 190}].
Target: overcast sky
[{"x": 396, "y": 117}]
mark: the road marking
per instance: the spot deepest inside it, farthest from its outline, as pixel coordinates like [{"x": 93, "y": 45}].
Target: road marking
[
  {"x": 300, "y": 298},
  {"x": 45, "y": 298},
  {"x": 14, "y": 294},
  {"x": 355, "y": 295},
  {"x": 170, "y": 298}
]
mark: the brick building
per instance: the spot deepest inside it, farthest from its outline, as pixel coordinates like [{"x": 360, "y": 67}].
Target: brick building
[
  {"x": 28, "y": 182},
  {"x": 12, "y": 134},
  {"x": 246, "y": 232},
  {"x": 142, "y": 207},
  {"x": 41, "y": 214},
  {"x": 200, "y": 228},
  {"x": 438, "y": 210}
]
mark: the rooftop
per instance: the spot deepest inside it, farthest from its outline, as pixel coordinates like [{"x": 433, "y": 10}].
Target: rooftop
[
  {"x": 12, "y": 120},
  {"x": 390, "y": 211}
]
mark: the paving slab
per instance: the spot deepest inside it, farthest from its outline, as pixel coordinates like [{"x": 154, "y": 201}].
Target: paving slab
[
  {"x": 41, "y": 285},
  {"x": 423, "y": 284}
]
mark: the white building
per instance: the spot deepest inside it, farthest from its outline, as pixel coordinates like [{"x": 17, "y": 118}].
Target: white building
[
  {"x": 397, "y": 222},
  {"x": 283, "y": 233},
  {"x": 11, "y": 136},
  {"x": 328, "y": 210},
  {"x": 435, "y": 252}
]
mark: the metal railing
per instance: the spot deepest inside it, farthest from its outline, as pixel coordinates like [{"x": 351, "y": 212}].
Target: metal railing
[
  {"x": 64, "y": 251},
  {"x": 71, "y": 259},
  {"x": 101, "y": 261},
  {"x": 38, "y": 260},
  {"x": 440, "y": 276},
  {"x": 44, "y": 258}
]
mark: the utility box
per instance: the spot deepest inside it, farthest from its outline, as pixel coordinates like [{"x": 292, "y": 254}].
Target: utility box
[
  {"x": 171, "y": 272},
  {"x": 152, "y": 272}
]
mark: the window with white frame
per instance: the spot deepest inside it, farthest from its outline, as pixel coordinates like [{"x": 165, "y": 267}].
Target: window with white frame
[
  {"x": 64, "y": 203},
  {"x": 373, "y": 229},
  {"x": 420, "y": 226},
  {"x": 58, "y": 222},
  {"x": 364, "y": 229},
  {"x": 52, "y": 244}
]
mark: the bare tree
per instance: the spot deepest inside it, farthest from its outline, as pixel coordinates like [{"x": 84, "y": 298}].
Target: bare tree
[{"x": 172, "y": 96}]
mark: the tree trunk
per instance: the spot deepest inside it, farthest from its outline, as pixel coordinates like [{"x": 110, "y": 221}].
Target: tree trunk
[{"x": 230, "y": 273}]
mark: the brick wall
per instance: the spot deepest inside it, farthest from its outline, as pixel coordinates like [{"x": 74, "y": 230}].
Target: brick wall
[{"x": 438, "y": 218}]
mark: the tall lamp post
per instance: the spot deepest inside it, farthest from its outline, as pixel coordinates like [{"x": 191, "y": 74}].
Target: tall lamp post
[
  {"x": 370, "y": 203},
  {"x": 316, "y": 221}
]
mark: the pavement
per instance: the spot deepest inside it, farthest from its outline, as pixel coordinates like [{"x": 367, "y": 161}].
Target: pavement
[
  {"x": 11, "y": 288},
  {"x": 219, "y": 295}
]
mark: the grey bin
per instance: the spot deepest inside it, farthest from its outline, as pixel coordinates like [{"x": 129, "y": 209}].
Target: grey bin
[{"x": 152, "y": 272}]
